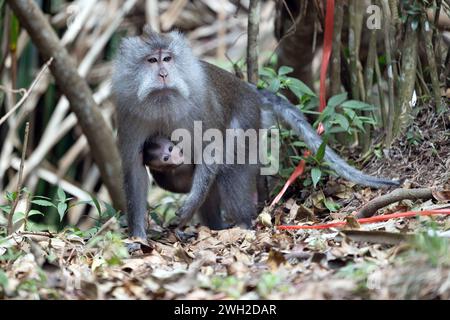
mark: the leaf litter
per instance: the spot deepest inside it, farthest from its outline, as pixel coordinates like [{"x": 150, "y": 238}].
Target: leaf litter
[{"x": 407, "y": 258}]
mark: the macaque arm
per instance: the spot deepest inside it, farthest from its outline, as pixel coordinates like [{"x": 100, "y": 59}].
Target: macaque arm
[{"x": 203, "y": 180}]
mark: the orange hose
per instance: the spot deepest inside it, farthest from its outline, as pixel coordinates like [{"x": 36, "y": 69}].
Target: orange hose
[{"x": 368, "y": 220}]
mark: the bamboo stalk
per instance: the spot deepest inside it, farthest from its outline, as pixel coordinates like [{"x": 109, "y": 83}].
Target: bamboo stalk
[
  {"x": 253, "y": 35},
  {"x": 408, "y": 78},
  {"x": 390, "y": 72},
  {"x": 431, "y": 58},
  {"x": 335, "y": 73},
  {"x": 354, "y": 42},
  {"x": 368, "y": 80}
]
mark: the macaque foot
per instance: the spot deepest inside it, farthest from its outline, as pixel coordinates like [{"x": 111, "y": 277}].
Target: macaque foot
[
  {"x": 184, "y": 236},
  {"x": 182, "y": 218},
  {"x": 133, "y": 247}
]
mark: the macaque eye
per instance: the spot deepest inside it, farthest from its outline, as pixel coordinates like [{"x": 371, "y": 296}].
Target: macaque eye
[
  {"x": 167, "y": 59},
  {"x": 166, "y": 158},
  {"x": 152, "y": 60}
]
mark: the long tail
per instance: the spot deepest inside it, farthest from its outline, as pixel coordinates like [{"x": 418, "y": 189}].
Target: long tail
[{"x": 297, "y": 121}]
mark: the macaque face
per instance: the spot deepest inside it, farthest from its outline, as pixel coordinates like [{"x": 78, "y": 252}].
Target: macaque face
[
  {"x": 159, "y": 64},
  {"x": 155, "y": 66},
  {"x": 160, "y": 75},
  {"x": 161, "y": 154}
]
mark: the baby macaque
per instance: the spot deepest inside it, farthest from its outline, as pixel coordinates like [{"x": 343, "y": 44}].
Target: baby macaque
[
  {"x": 166, "y": 163},
  {"x": 161, "y": 154}
]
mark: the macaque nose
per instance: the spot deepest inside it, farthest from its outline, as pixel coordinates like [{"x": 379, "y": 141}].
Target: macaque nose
[{"x": 163, "y": 73}]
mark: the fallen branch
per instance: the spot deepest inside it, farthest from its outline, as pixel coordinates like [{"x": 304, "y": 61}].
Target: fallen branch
[{"x": 397, "y": 195}]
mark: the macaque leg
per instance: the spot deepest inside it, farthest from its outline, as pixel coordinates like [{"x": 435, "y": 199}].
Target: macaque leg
[
  {"x": 136, "y": 183},
  {"x": 263, "y": 191},
  {"x": 237, "y": 188},
  {"x": 210, "y": 213},
  {"x": 136, "y": 180}
]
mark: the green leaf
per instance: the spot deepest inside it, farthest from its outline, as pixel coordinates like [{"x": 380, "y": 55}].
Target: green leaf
[
  {"x": 316, "y": 174},
  {"x": 35, "y": 213},
  {"x": 342, "y": 121},
  {"x": 18, "y": 216},
  {"x": 5, "y": 208},
  {"x": 97, "y": 205},
  {"x": 274, "y": 85},
  {"x": 357, "y": 105},
  {"x": 331, "y": 205},
  {"x": 110, "y": 210},
  {"x": 321, "y": 151},
  {"x": 337, "y": 99},
  {"x": 285, "y": 70},
  {"x": 61, "y": 195},
  {"x": 43, "y": 203},
  {"x": 357, "y": 122},
  {"x": 350, "y": 113},
  {"x": 299, "y": 144},
  {"x": 268, "y": 72},
  {"x": 11, "y": 196},
  {"x": 62, "y": 207},
  {"x": 328, "y": 113},
  {"x": 299, "y": 88}
]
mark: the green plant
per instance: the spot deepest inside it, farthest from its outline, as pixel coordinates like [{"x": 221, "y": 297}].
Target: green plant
[
  {"x": 111, "y": 249},
  {"x": 340, "y": 115},
  {"x": 231, "y": 286},
  {"x": 434, "y": 246},
  {"x": 268, "y": 283},
  {"x": 61, "y": 205}
]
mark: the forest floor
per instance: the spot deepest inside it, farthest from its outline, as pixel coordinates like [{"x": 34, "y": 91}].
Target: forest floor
[{"x": 406, "y": 258}]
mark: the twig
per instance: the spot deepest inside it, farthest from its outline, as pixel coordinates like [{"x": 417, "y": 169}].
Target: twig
[
  {"x": 27, "y": 92},
  {"x": 21, "y": 91},
  {"x": 19, "y": 181},
  {"x": 397, "y": 195}
]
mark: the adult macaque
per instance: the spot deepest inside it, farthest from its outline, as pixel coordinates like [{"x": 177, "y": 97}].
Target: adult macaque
[{"x": 160, "y": 86}]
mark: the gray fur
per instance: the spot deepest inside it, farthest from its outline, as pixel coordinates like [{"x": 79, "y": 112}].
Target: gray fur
[{"x": 149, "y": 106}]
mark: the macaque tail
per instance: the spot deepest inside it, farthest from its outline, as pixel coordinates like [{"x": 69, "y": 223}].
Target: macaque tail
[{"x": 297, "y": 121}]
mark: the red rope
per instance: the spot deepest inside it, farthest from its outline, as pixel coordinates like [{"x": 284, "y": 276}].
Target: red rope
[
  {"x": 327, "y": 48},
  {"x": 369, "y": 220}
]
